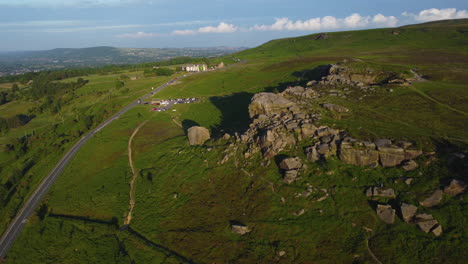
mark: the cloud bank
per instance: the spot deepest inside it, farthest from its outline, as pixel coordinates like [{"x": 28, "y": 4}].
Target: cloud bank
[
  {"x": 434, "y": 14},
  {"x": 353, "y": 21},
  {"x": 329, "y": 22},
  {"x": 221, "y": 28}
]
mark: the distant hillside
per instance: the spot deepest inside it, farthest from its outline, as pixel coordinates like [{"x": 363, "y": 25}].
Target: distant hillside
[{"x": 24, "y": 61}]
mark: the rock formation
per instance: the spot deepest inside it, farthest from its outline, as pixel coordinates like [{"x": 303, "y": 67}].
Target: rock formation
[
  {"x": 198, "y": 135},
  {"x": 268, "y": 103}
]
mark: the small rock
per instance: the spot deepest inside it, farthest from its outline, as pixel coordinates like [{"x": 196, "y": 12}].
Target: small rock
[
  {"x": 281, "y": 253},
  {"x": 290, "y": 163},
  {"x": 386, "y": 213},
  {"x": 240, "y": 229},
  {"x": 408, "y": 212},
  {"x": 290, "y": 176},
  {"x": 299, "y": 212},
  {"x": 426, "y": 226},
  {"x": 437, "y": 231},
  {"x": 408, "y": 181},
  {"x": 456, "y": 187},
  {"x": 381, "y": 192},
  {"x": 410, "y": 165},
  {"x": 226, "y": 136},
  {"x": 432, "y": 200},
  {"x": 382, "y": 142}
]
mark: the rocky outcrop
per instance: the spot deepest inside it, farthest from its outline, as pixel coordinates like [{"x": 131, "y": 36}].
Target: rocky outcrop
[
  {"x": 198, "y": 135},
  {"x": 456, "y": 187},
  {"x": 432, "y": 200},
  {"x": 386, "y": 213},
  {"x": 268, "y": 104}
]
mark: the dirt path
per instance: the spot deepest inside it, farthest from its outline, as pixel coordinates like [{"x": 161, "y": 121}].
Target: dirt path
[{"x": 131, "y": 205}]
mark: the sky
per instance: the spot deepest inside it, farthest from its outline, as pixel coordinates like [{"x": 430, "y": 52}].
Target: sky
[{"x": 48, "y": 24}]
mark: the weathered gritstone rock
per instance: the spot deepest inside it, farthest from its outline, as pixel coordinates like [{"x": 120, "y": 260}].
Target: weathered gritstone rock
[
  {"x": 408, "y": 212},
  {"x": 410, "y": 165},
  {"x": 361, "y": 156},
  {"x": 299, "y": 91},
  {"x": 290, "y": 163},
  {"x": 427, "y": 224},
  {"x": 432, "y": 200},
  {"x": 240, "y": 229},
  {"x": 380, "y": 192},
  {"x": 386, "y": 213},
  {"x": 455, "y": 188},
  {"x": 268, "y": 103},
  {"x": 198, "y": 135},
  {"x": 391, "y": 156}
]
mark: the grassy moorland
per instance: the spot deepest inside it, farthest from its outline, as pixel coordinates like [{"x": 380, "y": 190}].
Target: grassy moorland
[{"x": 186, "y": 200}]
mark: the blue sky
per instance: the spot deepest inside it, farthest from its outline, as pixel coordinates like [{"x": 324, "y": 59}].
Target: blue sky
[{"x": 47, "y": 24}]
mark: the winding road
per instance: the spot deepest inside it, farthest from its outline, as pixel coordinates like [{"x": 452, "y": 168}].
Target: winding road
[{"x": 18, "y": 223}]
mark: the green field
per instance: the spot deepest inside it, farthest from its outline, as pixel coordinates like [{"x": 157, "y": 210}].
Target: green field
[{"x": 186, "y": 200}]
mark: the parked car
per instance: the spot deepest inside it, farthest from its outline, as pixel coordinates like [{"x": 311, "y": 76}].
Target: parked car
[{"x": 155, "y": 109}]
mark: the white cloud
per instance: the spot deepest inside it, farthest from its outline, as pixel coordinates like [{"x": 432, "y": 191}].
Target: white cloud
[
  {"x": 387, "y": 21},
  {"x": 329, "y": 23},
  {"x": 356, "y": 21},
  {"x": 139, "y": 35},
  {"x": 221, "y": 28},
  {"x": 437, "y": 14}
]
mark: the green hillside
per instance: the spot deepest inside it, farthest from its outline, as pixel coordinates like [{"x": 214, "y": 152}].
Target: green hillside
[{"x": 188, "y": 198}]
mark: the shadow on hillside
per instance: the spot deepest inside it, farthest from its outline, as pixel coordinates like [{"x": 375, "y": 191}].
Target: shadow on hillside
[
  {"x": 235, "y": 108},
  {"x": 303, "y": 77},
  {"x": 187, "y": 123},
  {"x": 453, "y": 158},
  {"x": 235, "y": 113}
]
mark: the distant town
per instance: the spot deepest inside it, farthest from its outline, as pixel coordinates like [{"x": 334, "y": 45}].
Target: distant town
[{"x": 16, "y": 63}]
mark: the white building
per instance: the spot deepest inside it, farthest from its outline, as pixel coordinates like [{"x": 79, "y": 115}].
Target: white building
[{"x": 194, "y": 67}]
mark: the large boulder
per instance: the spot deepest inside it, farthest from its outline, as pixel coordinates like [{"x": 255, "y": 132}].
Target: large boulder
[
  {"x": 198, "y": 135},
  {"x": 456, "y": 187},
  {"x": 432, "y": 200},
  {"x": 360, "y": 156},
  {"x": 268, "y": 103},
  {"x": 386, "y": 213}
]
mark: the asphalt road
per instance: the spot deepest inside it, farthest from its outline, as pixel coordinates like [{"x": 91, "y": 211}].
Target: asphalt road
[{"x": 10, "y": 235}]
